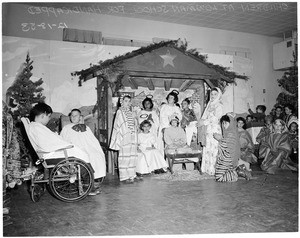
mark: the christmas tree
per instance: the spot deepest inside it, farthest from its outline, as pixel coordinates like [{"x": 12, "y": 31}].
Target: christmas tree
[
  {"x": 289, "y": 87},
  {"x": 20, "y": 97},
  {"x": 24, "y": 93}
]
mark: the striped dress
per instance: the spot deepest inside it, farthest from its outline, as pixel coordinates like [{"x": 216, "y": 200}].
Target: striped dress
[
  {"x": 229, "y": 153},
  {"x": 124, "y": 139},
  {"x": 225, "y": 170}
]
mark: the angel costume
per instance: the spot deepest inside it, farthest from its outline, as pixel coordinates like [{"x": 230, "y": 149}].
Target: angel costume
[
  {"x": 82, "y": 136},
  {"x": 124, "y": 139},
  {"x": 152, "y": 117},
  {"x": 150, "y": 158},
  {"x": 211, "y": 117}
]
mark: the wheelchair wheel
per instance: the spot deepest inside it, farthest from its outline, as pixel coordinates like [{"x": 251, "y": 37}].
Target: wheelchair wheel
[
  {"x": 36, "y": 192},
  {"x": 71, "y": 180}
]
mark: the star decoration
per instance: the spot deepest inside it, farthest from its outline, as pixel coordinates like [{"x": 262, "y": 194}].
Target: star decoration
[{"x": 168, "y": 59}]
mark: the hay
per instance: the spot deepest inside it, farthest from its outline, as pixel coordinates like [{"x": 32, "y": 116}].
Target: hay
[{"x": 183, "y": 175}]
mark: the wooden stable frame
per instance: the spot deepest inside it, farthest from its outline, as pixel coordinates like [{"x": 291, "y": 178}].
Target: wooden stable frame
[{"x": 160, "y": 66}]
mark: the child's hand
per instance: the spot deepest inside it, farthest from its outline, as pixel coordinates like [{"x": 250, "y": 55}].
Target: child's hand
[
  {"x": 217, "y": 136},
  {"x": 248, "y": 105}
]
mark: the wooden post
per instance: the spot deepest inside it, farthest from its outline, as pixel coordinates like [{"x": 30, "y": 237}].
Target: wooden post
[
  {"x": 110, "y": 115},
  {"x": 201, "y": 92}
]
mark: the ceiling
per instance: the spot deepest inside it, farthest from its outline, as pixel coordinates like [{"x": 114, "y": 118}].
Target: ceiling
[{"x": 264, "y": 18}]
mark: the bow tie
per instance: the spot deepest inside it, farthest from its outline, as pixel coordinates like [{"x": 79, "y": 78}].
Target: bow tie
[{"x": 79, "y": 128}]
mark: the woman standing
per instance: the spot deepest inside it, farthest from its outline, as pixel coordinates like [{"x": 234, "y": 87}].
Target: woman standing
[
  {"x": 124, "y": 139},
  {"x": 275, "y": 149},
  {"x": 210, "y": 121}
]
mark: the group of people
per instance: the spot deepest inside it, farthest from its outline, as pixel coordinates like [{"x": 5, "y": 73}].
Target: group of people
[
  {"x": 76, "y": 138},
  {"x": 228, "y": 149},
  {"x": 142, "y": 139}
]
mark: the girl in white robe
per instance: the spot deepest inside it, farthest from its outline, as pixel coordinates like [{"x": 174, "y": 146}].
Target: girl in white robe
[
  {"x": 149, "y": 157},
  {"x": 81, "y": 135}
]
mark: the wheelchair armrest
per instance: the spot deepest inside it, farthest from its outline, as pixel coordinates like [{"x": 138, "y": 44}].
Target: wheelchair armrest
[{"x": 68, "y": 147}]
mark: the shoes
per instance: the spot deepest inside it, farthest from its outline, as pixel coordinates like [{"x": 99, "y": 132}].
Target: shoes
[
  {"x": 94, "y": 193},
  {"x": 139, "y": 177},
  {"x": 164, "y": 170},
  {"x": 243, "y": 172},
  {"x": 129, "y": 180}
]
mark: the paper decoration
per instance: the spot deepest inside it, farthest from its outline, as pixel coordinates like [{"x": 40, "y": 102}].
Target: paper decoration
[{"x": 168, "y": 59}]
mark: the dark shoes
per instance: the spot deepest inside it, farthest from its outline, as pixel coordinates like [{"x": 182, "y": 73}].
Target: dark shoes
[
  {"x": 243, "y": 172},
  {"x": 139, "y": 178}
]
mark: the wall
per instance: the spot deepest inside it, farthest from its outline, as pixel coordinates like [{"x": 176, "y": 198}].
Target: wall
[
  {"x": 53, "y": 61},
  {"x": 209, "y": 40}
]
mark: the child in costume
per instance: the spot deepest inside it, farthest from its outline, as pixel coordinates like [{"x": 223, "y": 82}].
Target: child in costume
[{"x": 149, "y": 157}]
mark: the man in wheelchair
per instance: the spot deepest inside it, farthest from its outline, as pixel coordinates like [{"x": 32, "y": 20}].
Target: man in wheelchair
[{"x": 46, "y": 143}]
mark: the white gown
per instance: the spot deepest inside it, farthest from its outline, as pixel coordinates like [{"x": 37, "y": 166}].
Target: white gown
[
  {"x": 88, "y": 143},
  {"x": 149, "y": 160},
  {"x": 45, "y": 142}
]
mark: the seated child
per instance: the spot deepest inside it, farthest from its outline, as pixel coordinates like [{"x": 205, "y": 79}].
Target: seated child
[
  {"x": 260, "y": 115},
  {"x": 275, "y": 149},
  {"x": 247, "y": 146},
  {"x": 174, "y": 136},
  {"x": 189, "y": 120},
  {"x": 45, "y": 142},
  {"x": 266, "y": 130},
  {"x": 249, "y": 120},
  {"x": 149, "y": 157},
  {"x": 293, "y": 133},
  {"x": 81, "y": 135}
]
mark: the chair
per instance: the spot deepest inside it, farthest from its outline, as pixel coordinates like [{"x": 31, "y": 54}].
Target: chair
[{"x": 70, "y": 179}]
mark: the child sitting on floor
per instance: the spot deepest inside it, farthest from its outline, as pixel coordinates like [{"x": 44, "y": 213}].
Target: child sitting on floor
[
  {"x": 149, "y": 157},
  {"x": 293, "y": 133},
  {"x": 260, "y": 115}
]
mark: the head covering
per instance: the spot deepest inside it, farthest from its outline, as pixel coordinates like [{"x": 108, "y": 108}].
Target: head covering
[
  {"x": 231, "y": 137},
  {"x": 213, "y": 103},
  {"x": 293, "y": 119},
  {"x": 173, "y": 117},
  {"x": 285, "y": 129},
  {"x": 232, "y": 126}
]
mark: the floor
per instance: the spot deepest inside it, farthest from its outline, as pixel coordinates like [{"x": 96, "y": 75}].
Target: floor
[{"x": 267, "y": 203}]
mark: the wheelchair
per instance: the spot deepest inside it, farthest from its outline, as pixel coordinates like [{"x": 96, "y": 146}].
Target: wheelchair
[{"x": 69, "y": 179}]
